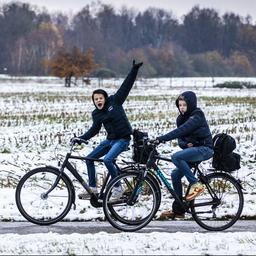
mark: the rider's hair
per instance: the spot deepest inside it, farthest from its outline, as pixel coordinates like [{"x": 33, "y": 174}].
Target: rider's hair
[{"x": 100, "y": 91}]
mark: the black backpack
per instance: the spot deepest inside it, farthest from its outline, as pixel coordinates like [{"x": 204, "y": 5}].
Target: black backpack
[
  {"x": 224, "y": 159},
  {"x": 141, "y": 150}
]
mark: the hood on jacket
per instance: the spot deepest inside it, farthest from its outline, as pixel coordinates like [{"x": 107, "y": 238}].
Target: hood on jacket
[{"x": 191, "y": 100}]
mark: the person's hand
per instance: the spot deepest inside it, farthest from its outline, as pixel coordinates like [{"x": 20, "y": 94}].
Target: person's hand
[
  {"x": 190, "y": 145},
  {"x": 137, "y": 65},
  {"x": 155, "y": 141},
  {"x": 75, "y": 140}
]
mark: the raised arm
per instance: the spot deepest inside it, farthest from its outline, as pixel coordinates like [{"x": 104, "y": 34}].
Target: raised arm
[{"x": 122, "y": 93}]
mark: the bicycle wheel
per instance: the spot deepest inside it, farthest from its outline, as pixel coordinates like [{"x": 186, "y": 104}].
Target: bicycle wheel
[
  {"x": 127, "y": 215},
  {"x": 32, "y": 202},
  {"x": 128, "y": 221},
  {"x": 217, "y": 214},
  {"x": 155, "y": 181}
]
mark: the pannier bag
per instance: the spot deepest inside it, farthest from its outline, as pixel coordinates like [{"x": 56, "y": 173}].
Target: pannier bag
[
  {"x": 224, "y": 159},
  {"x": 141, "y": 150}
]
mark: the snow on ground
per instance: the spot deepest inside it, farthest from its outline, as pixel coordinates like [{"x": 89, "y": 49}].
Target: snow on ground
[
  {"x": 130, "y": 244},
  {"x": 33, "y": 110}
]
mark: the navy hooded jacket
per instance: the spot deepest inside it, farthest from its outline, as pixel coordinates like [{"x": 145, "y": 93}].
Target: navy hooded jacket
[
  {"x": 192, "y": 127},
  {"x": 113, "y": 116}
]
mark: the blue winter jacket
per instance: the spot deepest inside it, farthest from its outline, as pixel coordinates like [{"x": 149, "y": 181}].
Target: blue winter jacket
[
  {"x": 192, "y": 127},
  {"x": 113, "y": 116}
]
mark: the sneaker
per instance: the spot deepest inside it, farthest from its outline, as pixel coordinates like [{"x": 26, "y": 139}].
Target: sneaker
[
  {"x": 195, "y": 190},
  {"x": 85, "y": 195},
  {"x": 117, "y": 192},
  {"x": 169, "y": 214}
]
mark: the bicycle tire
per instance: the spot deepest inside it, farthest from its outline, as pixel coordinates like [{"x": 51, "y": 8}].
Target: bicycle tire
[
  {"x": 30, "y": 201},
  {"x": 152, "y": 177},
  {"x": 128, "y": 222},
  {"x": 124, "y": 217},
  {"x": 229, "y": 209}
]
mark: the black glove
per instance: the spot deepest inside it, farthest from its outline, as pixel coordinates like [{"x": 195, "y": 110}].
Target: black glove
[
  {"x": 156, "y": 141},
  {"x": 137, "y": 65},
  {"x": 76, "y": 140}
]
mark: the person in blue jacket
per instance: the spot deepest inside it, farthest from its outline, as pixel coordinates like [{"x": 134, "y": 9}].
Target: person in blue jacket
[
  {"x": 109, "y": 112},
  {"x": 195, "y": 138}
]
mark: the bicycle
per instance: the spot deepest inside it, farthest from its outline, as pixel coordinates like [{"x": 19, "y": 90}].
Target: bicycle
[
  {"x": 216, "y": 209},
  {"x": 46, "y": 194}
]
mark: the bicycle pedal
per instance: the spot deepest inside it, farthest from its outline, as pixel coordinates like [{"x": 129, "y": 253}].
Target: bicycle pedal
[{"x": 82, "y": 197}]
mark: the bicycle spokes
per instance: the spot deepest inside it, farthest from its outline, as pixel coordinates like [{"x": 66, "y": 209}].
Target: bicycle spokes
[
  {"x": 220, "y": 205},
  {"x": 39, "y": 200},
  {"x": 135, "y": 207}
]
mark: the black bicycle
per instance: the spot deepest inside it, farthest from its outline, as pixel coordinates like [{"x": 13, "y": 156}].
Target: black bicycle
[
  {"x": 216, "y": 209},
  {"x": 45, "y": 195}
]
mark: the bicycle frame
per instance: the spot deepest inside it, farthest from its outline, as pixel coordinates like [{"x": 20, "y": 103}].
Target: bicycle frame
[
  {"x": 69, "y": 166},
  {"x": 167, "y": 183},
  {"x": 185, "y": 205}
]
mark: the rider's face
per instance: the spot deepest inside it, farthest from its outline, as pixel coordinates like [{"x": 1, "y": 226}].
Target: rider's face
[
  {"x": 99, "y": 100},
  {"x": 183, "y": 106}
]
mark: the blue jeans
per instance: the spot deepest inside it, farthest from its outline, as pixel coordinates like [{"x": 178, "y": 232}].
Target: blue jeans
[
  {"x": 111, "y": 149},
  {"x": 181, "y": 160}
]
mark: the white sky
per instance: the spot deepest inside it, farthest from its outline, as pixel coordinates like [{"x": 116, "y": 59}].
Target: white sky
[{"x": 179, "y": 7}]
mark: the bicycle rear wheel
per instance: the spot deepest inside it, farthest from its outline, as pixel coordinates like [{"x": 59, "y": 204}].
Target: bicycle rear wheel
[
  {"x": 127, "y": 215},
  {"x": 222, "y": 212},
  {"x": 32, "y": 202}
]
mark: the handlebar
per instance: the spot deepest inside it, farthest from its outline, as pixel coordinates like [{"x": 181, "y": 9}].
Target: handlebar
[
  {"x": 84, "y": 141},
  {"x": 66, "y": 144},
  {"x": 78, "y": 140}
]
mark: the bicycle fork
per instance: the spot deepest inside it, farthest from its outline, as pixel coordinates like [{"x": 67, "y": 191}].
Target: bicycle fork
[
  {"x": 45, "y": 195},
  {"x": 138, "y": 188}
]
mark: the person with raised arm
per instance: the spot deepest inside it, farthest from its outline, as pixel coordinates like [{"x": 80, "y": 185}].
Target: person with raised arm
[{"x": 110, "y": 113}]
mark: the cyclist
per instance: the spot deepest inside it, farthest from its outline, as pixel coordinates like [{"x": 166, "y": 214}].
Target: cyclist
[
  {"x": 109, "y": 112},
  {"x": 195, "y": 138}
]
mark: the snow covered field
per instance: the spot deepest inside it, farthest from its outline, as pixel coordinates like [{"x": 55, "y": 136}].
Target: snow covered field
[{"x": 36, "y": 114}]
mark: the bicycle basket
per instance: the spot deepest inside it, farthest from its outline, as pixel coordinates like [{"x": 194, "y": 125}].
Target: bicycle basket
[{"x": 141, "y": 150}]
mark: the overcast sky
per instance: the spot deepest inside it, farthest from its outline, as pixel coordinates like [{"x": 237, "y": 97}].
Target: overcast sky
[{"x": 179, "y": 7}]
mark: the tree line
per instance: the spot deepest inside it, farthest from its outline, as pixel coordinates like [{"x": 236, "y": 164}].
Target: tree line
[{"x": 203, "y": 43}]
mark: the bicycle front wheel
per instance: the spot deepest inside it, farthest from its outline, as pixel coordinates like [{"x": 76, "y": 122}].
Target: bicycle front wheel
[
  {"x": 134, "y": 209},
  {"x": 220, "y": 205},
  {"x": 35, "y": 205},
  {"x": 155, "y": 181}
]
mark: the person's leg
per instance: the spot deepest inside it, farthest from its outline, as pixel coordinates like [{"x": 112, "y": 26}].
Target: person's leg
[
  {"x": 194, "y": 154},
  {"x": 176, "y": 210},
  {"x": 117, "y": 147},
  {"x": 98, "y": 152},
  {"x": 183, "y": 157},
  {"x": 176, "y": 181}
]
